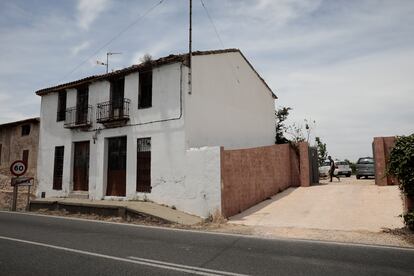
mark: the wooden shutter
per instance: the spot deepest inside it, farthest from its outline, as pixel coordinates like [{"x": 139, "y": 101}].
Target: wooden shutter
[
  {"x": 58, "y": 168},
  {"x": 144, "y": 165},
  {"x": 145, "y": 89},
  {"x": 26, "y": 157}
]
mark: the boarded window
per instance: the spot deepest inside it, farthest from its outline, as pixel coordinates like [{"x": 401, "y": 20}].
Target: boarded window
[
  {"x": 144, "y": 165},
  {"x": 61, "y": 108},
  {"x": 25, "y": 157},
  {"x": 58, "y": 168},
  {"x": 145, "y": 89},
  {"x": 25, "y": 130}
]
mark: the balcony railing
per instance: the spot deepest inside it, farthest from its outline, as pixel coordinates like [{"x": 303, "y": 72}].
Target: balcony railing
[
  {"x": 113, "y": 111},
  {"x": 78, "y": 117}
]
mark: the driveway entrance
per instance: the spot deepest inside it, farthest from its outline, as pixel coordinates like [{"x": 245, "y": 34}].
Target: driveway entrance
[{"x": 349, "y": 205}]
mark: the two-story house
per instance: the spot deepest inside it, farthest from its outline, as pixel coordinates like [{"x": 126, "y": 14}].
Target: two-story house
[{"x": 124, "y": 135}]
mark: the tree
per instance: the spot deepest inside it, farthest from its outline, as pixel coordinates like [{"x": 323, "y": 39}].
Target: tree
[
  {"x": 281, "y": 115},
  {"x": 295, "y": 131},
  {"x": 322, "y": 152}
]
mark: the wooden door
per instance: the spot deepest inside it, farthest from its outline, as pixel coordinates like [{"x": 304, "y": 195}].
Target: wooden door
[
  {"x": 116, "y": 178},
  {"x": 81, "y": 166}
]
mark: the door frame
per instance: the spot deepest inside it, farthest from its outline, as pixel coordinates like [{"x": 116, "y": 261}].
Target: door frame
[
  {"x": 73, "y": 165},
  {"x": 106, "y": 165}
]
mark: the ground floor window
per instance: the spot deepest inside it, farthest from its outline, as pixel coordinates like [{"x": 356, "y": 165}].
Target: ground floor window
[
  {"x": 25, "y": 157},
  {"x": 58, "y": 168},
  {"x": 144, "y": 165}
]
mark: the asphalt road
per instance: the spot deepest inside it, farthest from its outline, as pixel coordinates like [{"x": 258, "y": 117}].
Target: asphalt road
[{"x": 40, "y": 245}]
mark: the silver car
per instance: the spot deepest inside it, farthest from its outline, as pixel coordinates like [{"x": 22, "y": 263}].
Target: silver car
[{"x": 365, "y": 167}]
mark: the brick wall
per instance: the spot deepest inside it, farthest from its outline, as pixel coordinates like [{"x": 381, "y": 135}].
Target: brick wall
[
  {"x": 249, "y": 176},
  {"x": 382, "y": 147}
]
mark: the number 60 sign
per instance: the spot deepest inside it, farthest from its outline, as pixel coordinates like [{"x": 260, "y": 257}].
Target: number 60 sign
[{"x": 18, "y": 168}]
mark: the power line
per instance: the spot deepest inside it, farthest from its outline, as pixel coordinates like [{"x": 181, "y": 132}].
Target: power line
[
  {"x": 212, "y": 23},
  {"x": 114, "y": 37},
  {"x": 221, "y": 41}
]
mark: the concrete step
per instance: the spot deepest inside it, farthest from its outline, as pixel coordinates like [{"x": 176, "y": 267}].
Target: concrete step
[
  {"x": 79, "y": 194},
  {"x": 116, "y": 208}
]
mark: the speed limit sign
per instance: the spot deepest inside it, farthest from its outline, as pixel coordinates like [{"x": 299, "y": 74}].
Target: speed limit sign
[{"x": 18, "y": 168}]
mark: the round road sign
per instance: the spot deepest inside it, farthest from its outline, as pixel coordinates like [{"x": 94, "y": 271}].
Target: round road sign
[{"x": 18, "y": 168}]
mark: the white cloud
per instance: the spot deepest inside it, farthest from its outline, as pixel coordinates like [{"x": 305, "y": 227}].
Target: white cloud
[
  {"x": 89, "y": 10},
  {"x": 79, "y": 48},
  {"x": 346, "y": 64}
]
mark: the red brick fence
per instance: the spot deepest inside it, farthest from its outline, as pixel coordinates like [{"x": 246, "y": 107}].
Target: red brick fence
[
  {"x": 249, "y": 176},
  {"x": 382, "y": 146}
]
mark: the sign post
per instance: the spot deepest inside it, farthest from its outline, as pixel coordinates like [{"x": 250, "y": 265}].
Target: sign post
[{"x": 18, "y": 168}]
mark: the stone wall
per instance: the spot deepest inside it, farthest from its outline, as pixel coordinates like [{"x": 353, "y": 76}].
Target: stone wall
[
  {"x": 249, "y": 176},
  {"x": 12, "y": 145}
]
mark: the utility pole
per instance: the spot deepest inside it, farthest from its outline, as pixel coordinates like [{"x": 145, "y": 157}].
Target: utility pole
[{"x": 190, "y": 50}]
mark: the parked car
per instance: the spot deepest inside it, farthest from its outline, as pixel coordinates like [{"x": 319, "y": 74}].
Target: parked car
[
  {"x": 341, "y": 168},
  {"x": 365, "y": 167}
]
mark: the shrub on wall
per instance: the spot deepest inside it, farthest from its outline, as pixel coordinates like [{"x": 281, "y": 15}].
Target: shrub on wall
[
  {"x": 409, "y": 220},
  {"x": 401, "y": 165}
]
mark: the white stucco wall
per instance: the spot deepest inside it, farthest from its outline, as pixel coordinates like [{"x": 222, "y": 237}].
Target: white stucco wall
[
  {"x": 168, "y": 149},
  {"x": 229, "y": 105},
  {"x": 203, "y": 181},
  {"x": 188, "y": 180}
]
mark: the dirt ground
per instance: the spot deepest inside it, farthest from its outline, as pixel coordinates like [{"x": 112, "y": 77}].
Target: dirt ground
[{"x": 351, "y": 210}]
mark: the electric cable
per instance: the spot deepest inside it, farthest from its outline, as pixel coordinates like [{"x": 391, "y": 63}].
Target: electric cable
[
  {"x": 220, "y": 40},
  {"x": 114, "y": 37}
]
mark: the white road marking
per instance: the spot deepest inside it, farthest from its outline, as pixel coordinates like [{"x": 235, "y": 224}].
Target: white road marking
[
  {"x": 193, "y": 268},
  {"x": 135, "y": 260},
  {"x": 218, "y": 233}
]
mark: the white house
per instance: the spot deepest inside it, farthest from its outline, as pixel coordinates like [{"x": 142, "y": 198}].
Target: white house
[{"x": 137, "y": 133}]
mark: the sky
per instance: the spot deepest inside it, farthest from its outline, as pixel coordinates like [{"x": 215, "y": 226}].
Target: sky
[{"x": 348, "y": 65}]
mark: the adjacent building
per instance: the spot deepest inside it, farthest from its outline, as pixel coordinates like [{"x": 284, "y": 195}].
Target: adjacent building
[
  {"x": 134, "y": 133},
  {"x": 19, "y": 141}
]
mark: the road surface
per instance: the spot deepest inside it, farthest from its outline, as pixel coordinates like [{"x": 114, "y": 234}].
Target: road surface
[{"x": 42, "y": 245}]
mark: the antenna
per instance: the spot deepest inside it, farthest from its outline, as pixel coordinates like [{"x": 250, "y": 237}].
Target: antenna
[{"x": 107, "y": 60}]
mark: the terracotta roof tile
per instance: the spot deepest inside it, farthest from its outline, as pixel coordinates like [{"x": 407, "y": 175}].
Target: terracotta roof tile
[{"x": 134, "y": 68}]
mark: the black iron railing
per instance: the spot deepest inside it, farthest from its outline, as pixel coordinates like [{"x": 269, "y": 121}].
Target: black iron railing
[
  {"x": 113, "y": 111},
  {"x": 78, "y": 117}
]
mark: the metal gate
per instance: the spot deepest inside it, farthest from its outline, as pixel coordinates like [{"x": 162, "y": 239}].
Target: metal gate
[{"x": 313, "y": 165}]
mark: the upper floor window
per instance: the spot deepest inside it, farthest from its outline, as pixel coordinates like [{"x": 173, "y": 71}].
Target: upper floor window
[
  {"x": 117, "y": 91},
  {"x": 61, "y": 107},
  {"x": 25, "y": 130},
  {"x": 145, "y": 89}
]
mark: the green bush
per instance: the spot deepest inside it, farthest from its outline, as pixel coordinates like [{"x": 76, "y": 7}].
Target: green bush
[
  {"x": 401, "y": 163},
  {"x": 409, "y": 220}
]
